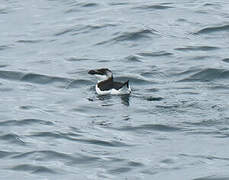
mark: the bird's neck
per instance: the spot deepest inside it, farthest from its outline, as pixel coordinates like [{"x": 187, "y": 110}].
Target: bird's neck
[{"x": 107, "y": 79}]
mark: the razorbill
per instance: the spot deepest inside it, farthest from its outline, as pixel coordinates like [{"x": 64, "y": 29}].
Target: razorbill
[{"x": 106, "y": 84}]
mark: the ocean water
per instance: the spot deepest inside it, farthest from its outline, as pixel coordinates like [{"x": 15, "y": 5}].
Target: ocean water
[{"x": 174, "y": 125}]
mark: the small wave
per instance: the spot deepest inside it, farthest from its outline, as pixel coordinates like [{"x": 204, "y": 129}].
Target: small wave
[
  {"x": 151, "y": 127},
  {"x": 213, "y": 178},
  {"x": 135, "y": 80},
  {"x": 102, "y": 142},
  {"x": 99, "y": 26},
  {"x": 133, "y": 58},
  {"x": 130, "y": 36},
  {"x": 188, "y": 72},
  {"x": 209, "y": 74},
  {"x": 209, "y": 4},
  {"x": 65, "y": 31},
  {"x": 118, "y": 3},
  {"x": 4, "y": 154},
  {"x": 12, "y": 138},
  {"x": 225, "y": 60},
  {"x": 80, "y": 6},
  {"x": 204, "y": 123},
  {"x": 3, "y": 11},
  {"x": 25, "y": 122},
  {"x": 200, "y": 57},
  {"x": 135, "y": 164},
  {"x": 167, "y": 161},
  {"x": 83, "y": 159},
  {"x": 4, "y": 47},
  {"x": 78, "y": 59},
  {"x": 11, "y": 75},
  {"x": 220, "y": 87},
  {"x": 3, "y": 89},
  {"x": 44, "y": 155},
  {"x": 92, "y": 28},
  {"x": 207, "y": 157},
  {"x": 212, "y": 29},
  {"x": 153, "y": 54},
  {"x": 47, "y": 155},
  {"x": 197, "y": 48},
  {"x": 151, "y": 90},
  {"x": 83, "y": 29},
  {"x": 76, "y": 83},
  {"x": 161, "y": 6},
  {"x": 43, "y": 79},
  {"x": 126, "y": 165},
  {"x": 120, "y": 170},
  {"x": 34, "y": 169},
  {"x": 208, "y": 132},
  {"x": 55, "y": 135},
  {"x": 75, "y": 137},
  {"x": 151, "y": 98},
  {"x": 149, "y": 74},
  {"x": 89, "y": 5},
  {"x": 3, "y": 65},
  {"x": 29, "y": 41},
  {"x": 27, "y": 107}
]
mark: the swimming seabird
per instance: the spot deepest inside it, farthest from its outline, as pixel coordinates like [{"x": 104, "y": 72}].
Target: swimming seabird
[{"x": 106, "y": 84}]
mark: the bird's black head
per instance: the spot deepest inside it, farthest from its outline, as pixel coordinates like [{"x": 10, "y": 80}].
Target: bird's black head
[
  {"x": 101, "y": 74},
  {"x": 102, "y": 71}
]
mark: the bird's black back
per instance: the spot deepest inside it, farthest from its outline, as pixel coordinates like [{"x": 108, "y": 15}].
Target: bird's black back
[{"x": 110, "y": 84}]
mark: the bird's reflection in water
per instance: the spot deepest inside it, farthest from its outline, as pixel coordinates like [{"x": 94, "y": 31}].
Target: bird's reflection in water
[
  {"x": 125, "y": 99},
  {"x": 106, "y": 100},
  {"x": 104, "y": 97}
]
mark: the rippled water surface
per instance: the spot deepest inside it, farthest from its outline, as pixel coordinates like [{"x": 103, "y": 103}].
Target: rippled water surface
[{"x": 174, "y": 125}]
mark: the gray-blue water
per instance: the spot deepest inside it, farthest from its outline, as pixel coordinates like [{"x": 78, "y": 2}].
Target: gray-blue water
[{"x": 175, "y": 124}]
